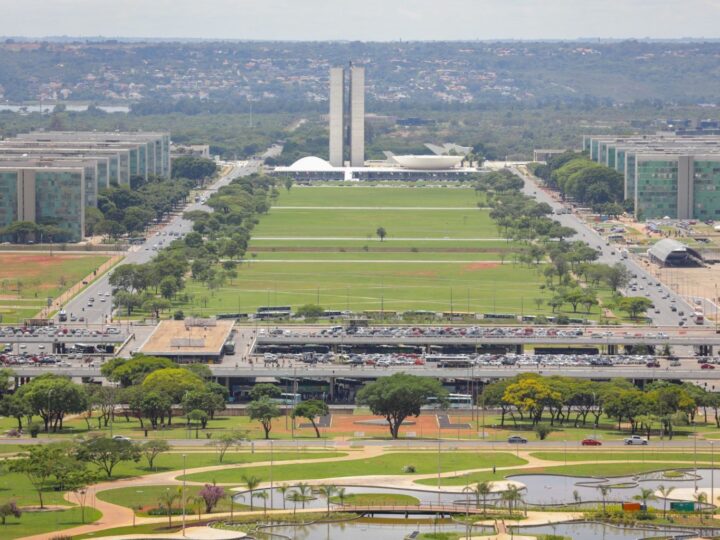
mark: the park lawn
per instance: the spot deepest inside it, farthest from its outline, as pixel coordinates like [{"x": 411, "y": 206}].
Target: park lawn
[
  {"x": 31, "y": 523},
  {"x": 379, "y": 499},
  {"x": 584, "y": 470},
  {"x": 374, "y": 244},
  {"x": 27, "y": 280},
  {"x": 16, "y": 486},
  {"x": 144, "y": 498},
  {"x": 641, "y": 453},
  {"x": 389, "y": 464},
  {"x": 474, "y": 286},
  {"x": 354, "y": 257},
  {"x": 320, "y": 223},
  {"x": 380, "y": 196},
  {"x": 174, "y": 461}
]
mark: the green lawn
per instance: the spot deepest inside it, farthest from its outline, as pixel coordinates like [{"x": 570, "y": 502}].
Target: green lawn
[
  {"x": 418, "y": 258},
  {"x": 382, "y": 465},
  {"x": 46, "y": 522},
  {"x": 590, "y": 469},
  {"x": 380, "y": 196},
  {"x": 470, "y": 223},
  {"x": 397, "y": 286},
  {"x": 379, "y": 499}
]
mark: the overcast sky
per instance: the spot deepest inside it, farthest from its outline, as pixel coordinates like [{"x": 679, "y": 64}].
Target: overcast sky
[{"x": 367, "y": 20}]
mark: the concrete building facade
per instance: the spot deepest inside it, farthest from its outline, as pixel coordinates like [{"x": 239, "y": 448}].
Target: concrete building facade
[{"x": 347, "y": 116}]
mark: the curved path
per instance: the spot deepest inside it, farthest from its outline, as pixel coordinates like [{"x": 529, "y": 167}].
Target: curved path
[{"x": 119, "y": 516}]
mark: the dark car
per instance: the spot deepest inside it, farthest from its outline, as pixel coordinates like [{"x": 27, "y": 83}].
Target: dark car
[{"x": 517, "y": 439}]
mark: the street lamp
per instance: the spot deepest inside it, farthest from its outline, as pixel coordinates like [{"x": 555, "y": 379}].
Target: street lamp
[
  {"x": 183, "y": 496},
  {"x": 712, "y": 476}
]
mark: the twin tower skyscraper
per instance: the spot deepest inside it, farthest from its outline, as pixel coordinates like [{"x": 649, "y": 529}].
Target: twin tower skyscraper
[{"x": 347, "y": 115}]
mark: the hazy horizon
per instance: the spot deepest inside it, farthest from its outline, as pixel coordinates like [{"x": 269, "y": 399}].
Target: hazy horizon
[{"x": 370, "y": 20}]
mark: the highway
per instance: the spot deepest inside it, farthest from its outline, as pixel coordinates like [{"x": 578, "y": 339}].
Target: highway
[
  {"x": 98, "y": 312},
  {"x": 610, "y": 255}
]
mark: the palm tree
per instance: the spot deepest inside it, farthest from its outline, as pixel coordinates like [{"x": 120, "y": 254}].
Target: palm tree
[
  {"x": 645, "y": 495},
  {"x": 252, "y": 482},
  {"x": 665, "y": 493},
  {"x": 483, "y": 489},
  {"x": 283, "y": 489},
  {"x": 264, "y": 496},
  {"x": 327, "y": 492},
  {"x": 199, "y": 503},
  {"x": 604, "y": 491},
  {"x": 340, "y": 494},
  {"x": 167, "y": 500},
  {"x": 296, "y": 497},
  {"x": 303, "y": 490},
  {"x": 512, "y": 495},
  {"x": 700, "y": 498}
]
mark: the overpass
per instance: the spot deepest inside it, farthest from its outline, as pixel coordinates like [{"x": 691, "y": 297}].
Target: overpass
[{"x": 476, "y": 373}]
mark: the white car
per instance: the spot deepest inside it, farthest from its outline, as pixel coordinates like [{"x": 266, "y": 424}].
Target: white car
[
  {"x": 120, "y": 438},
  {"x": 636, "y": 439}
]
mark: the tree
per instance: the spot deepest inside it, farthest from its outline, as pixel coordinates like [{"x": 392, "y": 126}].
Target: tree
[
  {"x": 634, "y": 305},
  {"x": 531, "y": 394},
  {"x": 310, "y": 311},
  {"x": 252, "y": 482},
  {"x": 295, "y": 497},
  {"x": 700, "y": 501},
  {"x": 197, "y": 417},
  {"x": 264, "y": 411},
  {"x": 134, "y": 370},
  {"x": 211, "y": 494},
  {"x": 262, "y": 390},
  {"x": 644, "y": 496},
  {"x": 512, "y": 495},
  {"x": 224, "y": 441},
  {"x": 173, "y": 382},
  {"x": 77, "y": 483},
  {"x": 204, "y": 400},
  {"x": 327, "y": 493},
  {"x": 399, "y": 396},
  {"x": 38, "y": 463},
  {"x": 167, "y": 501},
  {"x": 665, "y": 494},
  {"x": 604, "y": 492},
  {"x": 311, "y": 409},
  {"x": 8, "y": 509},
  {"x": 107, "y": 453},
  {"x": 152, "y": 449},
  {"x": 15, "y": 406},
  {"x": 481, "y": 490},
  {"x": 52, "y": 397},
  {"x": 381, "y": 233},
  {"x": 542, "y": 431},
  {"x": 283, "y": 490},
  {"x": 154, "y": 406},
  {"x": 156, "y": 305}
]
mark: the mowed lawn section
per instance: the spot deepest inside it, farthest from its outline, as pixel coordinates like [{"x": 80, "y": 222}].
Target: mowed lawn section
[
  {"x": 380, "y": 196},
  {"x": 424, "y": 463},
  {"x": 27, "y": 280},
  {"x": 459, "y": 286}
]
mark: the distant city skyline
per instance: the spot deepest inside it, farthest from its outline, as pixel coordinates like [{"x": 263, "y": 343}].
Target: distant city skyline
[{"x": 366, "y": 20}]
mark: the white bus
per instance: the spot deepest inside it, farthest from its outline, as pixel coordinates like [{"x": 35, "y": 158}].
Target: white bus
[
  {"x": 455, "y": 401},
  {"x": 288, "y": 399}
]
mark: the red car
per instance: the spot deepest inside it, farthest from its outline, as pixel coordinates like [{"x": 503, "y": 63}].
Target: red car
[
  {"x": 707, "y": 366},
  {"x": 591, "y": 442}
]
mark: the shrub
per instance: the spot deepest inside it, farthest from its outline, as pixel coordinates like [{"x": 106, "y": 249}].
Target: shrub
[
  {"x": 409, "y": 469},
  {"x": 34, "y": 429},
  {"x": 542, "y": 431}
]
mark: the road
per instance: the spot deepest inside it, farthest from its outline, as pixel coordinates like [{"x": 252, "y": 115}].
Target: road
[
  {"x": 662, "y": 297},
  {"x": 99, "y": 311}
]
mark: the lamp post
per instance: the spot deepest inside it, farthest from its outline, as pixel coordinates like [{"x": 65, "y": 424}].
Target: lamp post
[
  {"x": 184, "y": 498},
  {"x": 439, "y": 466},
  {"x": 712, "y": 477}
]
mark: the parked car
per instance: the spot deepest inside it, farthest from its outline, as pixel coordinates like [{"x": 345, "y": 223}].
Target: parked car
[
  {"x": 120, "y": 438},
  {"x": 707, "y": 366},
  {"x": 591, "y": 442},
  {"x": 517, "y": 439},
  {"x": 636, "y": 439}
]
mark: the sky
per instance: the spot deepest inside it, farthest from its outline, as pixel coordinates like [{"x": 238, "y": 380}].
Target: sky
[{"x": 364, "y": 20}]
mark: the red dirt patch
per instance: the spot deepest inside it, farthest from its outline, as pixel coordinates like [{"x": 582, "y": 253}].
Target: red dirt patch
[
  {"x": 472, "y": 267},
  {"x": 418, "y": 273}
]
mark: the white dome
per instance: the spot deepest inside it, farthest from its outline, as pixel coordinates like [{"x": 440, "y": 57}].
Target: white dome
[
  {"x": 311, "y": 163},
  {"x": 428, "y": 162}
]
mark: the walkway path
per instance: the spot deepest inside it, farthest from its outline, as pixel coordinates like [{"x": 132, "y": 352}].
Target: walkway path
[{"x": 393, "y": 208}]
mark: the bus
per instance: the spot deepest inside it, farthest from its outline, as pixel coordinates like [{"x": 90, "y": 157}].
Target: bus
[
  {"x": 62, "y": 316},
  {"x": 449, "y": 360},
  {"x": 455, "y": 401},
  {"x": 698, "y": 317},
  {"x": 288, "y": 399},
  {"x": 229, "y": 348}
]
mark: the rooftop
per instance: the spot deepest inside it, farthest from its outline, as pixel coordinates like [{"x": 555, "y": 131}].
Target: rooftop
[{"x": 191, "y": 337}]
